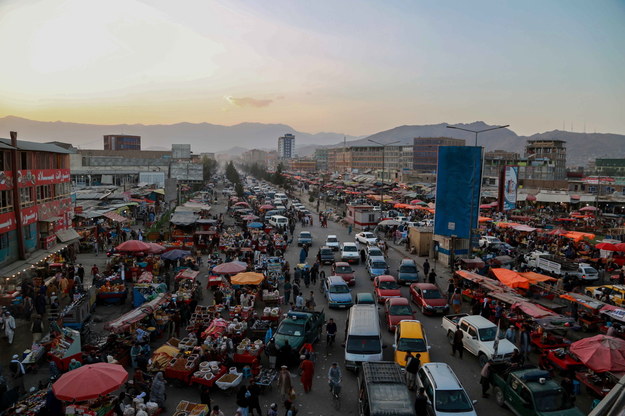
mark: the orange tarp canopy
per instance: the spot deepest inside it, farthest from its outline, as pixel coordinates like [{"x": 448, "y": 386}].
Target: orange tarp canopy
[
  {"x": 248, "y": 278},
  {"x": 506, "y": 224},
  {"x": 485, "y": 219},
  {"x": 577, "y": 236},
  {"x": 511, "y": 278},
  {"x": 534, "y": 278}
]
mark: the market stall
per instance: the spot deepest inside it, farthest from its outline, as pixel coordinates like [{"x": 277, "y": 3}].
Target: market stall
[
  {"x": 130, "y": 319},
  {"x": 64, "y": 346}
]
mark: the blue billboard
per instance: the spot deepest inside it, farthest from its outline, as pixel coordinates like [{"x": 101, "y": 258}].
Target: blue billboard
[{"x": 458, "y": 180}]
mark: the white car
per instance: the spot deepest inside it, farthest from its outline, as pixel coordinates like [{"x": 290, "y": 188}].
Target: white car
[
  {"x": 374, "y": 253},
  {"x": 349, "y": 253},
  {"x": 333, "y": 242},
  {"x": 488, "y": 240},
  {"x": 366, "y": 238}
]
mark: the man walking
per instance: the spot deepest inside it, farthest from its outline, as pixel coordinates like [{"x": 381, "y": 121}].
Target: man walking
[
  {"x": 457, "y": 345},
  {"x": 421, "y": 403},
  {"x": 426, "y": 267},
  {"x": 412, "y": 366}
]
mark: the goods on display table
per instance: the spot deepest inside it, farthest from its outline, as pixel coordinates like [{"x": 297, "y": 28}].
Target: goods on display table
[
  {"x": 186, "y": 408},
  {"x": 76, "y": 313},
  {"x": 266, "y": 377},
  {"x": 112, "y": 292},
  {"x": 229, "y": 380},
  {"x": 216, "y": 328},
  {"x": 64, "y": 347},
  {"x": 241, "y": 312},
  {"x": 182, "y": 367},
  {"x": 30, "y": 405},
  {"x": 33, "y": 355},
  {"x": 202, "y": 316},
  {"x": 103, "y": 406},
  {"x": 271, "y": 297},
  {"x": 126, "y": 321},
  {"x": 146, "y": 292},
  {"x": 208, "y": 373},
  {"x": 259, "y": 328}
]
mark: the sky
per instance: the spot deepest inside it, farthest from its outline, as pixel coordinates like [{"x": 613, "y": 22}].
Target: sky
[{"x": 352, "y": 67}]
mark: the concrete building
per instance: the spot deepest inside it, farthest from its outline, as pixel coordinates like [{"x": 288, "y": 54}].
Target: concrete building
[
  {"x": 254, "y": 156},
  {"x": 122, "y": 142},
  {"x": 302, "y": 164},
  {"x": 425, "y": 151},
  {"x": 181, "y": 151},
  {"x": 494, "y": 161},
  {"x": 286, "y": 146},
  {"x": 321, "y": 155},
  {"x": 610, "y": 167},
  {"x": 36, "y": 208},
  {"x": 551, "y": 155}
]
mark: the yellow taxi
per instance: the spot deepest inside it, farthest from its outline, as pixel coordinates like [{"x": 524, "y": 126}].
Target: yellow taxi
[
  {"x": 616, "y": 293},
  {"x": 410, "y": 337}
]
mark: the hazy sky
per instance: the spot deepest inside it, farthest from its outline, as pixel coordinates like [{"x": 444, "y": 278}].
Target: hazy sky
[{"x": 353, "y": 67}]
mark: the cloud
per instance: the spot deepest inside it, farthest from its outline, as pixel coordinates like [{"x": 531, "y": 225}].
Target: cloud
[{"x": 248, "y": 102}]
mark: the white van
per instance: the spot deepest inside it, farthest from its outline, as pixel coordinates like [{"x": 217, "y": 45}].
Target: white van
[
  {"x": 283, "y": 197},
  {"x": 278, "y": 221},
  {"x": 363, "y": 341}
]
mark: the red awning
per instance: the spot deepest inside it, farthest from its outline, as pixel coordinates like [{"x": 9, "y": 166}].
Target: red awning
[
  {"x": 115, "y": 217},
  {"x": 124, "y": 322}
]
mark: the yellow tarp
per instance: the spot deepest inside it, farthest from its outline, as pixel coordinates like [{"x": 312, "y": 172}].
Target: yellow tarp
[{"x": 248, "y": 278}]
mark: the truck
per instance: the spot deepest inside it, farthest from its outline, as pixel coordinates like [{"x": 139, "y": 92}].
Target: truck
[
  {"x": 530, "y": 391},
  {"x": 478, "y": 337},
  {"x": 383, "y": 390},
  {"x": 561, "y": 266},
  {"x": 299, "y": 328}
]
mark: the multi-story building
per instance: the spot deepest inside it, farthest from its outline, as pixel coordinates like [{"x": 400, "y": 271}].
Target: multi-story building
[
  {"x": 254, "y": 156},
  {"x": 181, "y": 151},
  {"x": 551, "y": 158},
  {"x": 321, "y": 155},
  {"x": 36, "y": 206},
  {"x": 425, "y": 151},
  {"x": 122, "y": 142},
  {"x": 497, "y": 159},
  {"x": 339, "y": 159},
  {"x": 302, "y": 164},
  {"x": 610, "y": 167},
  {"x": 286, "y": 146}
]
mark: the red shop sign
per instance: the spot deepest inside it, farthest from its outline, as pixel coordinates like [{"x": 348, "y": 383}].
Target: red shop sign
[
  {"x": 7, "y": 222},
  {"x": 6, "y": 180},
  {"x": 29, "y": 215}
]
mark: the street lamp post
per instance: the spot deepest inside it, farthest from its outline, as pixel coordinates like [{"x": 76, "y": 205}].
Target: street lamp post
[
  {"x": 383, "y": 152},
  {"x": 476, "y": 132}
]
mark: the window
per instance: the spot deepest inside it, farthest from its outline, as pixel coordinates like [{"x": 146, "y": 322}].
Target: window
[
  {"x": 4, "y": 241},
  {"x": 28, "y": 232},
  {"x": 26, "y": 196},
  {"x": 44, "y": 192},
  {"x": 24, "y": 161},
  {"x": 6, "y": 201},
  {"x": 472, "y": 332}
]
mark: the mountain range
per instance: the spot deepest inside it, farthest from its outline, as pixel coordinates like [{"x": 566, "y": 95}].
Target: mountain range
[{"x": 233, "y": 140}]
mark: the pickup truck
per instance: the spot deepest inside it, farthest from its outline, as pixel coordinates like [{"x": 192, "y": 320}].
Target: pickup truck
[
  {"x": 300, "y": 328},
  {"x": 529, "y": 391},
  {"x": 478, "y": 337},
  {"x": 561, "y": 266}
]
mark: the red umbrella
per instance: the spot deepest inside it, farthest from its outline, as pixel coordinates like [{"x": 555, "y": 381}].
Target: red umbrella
[
  {"x": 238, "y": 204},
  {"x": 530, "y": 197},
  {"x": 250, "y": 217},
  {"x": 601, "y": 353},
  {"x": 589, "y": 208},
  {"x": 133, "y": 245},
  {"x": 619, "y": 247},
  {"x": 155, "y": 248},
  {"x": 230, "y": 268},
  {"x": 606, "y": 246},
  {"x": 89, "y": 382},
  {"x": 267, "y": 206}
]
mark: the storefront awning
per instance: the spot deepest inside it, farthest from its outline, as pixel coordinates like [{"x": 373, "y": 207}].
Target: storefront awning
[
  {"x": 67, "y": 235},
  {"x": 115, "y": 217},
  {"x": 52, "y": 219}
]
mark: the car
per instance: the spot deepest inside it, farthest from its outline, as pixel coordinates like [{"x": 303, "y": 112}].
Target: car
[
  {"x": 385, "y": 287},
  {"x": 407, "y": 272},
  {"x": 410, "y": 337},
  {"x": 343, "y": 269},
  {"x": 428, "y": 298},
  {"x": 377, "y": 268},
  {"x": 337, "y": 292},
  {"x": 615, "y": 293},
  {"x": 488, "y": 240},
  {"x": 446, "y": 395},
  {"x": 305, "y": 237},
  {"x": 349, "y": 253},
  {"x": 299, "y": 328},
  {"x": 333, "y": 242},
  {"x": 326, "y": 255},
  {"x": 364, "y": 298},
  {"x": 366, "y": 238},
  {"x": 396, "y": 310},
  {"x": 375, "y": 253}
]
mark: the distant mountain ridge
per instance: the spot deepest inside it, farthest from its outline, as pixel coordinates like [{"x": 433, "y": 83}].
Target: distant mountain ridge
[{"x": 206, "y": 137}]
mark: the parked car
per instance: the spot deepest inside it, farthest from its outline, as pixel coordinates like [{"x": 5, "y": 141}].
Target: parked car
[
  {"x": 446, "y": 395},
  {"x": 364, "y": 298},
  {"x": 366, "y": 238},
  {"x": 488, "y": 240},
  {"x": 337, "y": 292},
  {"x": 428, "y": 298},
  {"x": 340, "y": 268},
  {"x": 396, "y": 310},
  {"x": 333, "y": 242},
  {"x": 407, "y": 272},
  {"x": 377, "y": 268},
  {"x": 349, "y": 253},
  {"x": 375, "y": 253},
  {"x": 385, "y": 287},
  {"x": 305, "y": 237},
  {"x": 326, "y": 255}
]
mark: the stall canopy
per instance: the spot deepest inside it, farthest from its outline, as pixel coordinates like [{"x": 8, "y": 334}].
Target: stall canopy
[
  {"x": 614, "y": 312},
  {"x": 523, "y": 228},
  {"x": 187, "y": 274},
  {"x": 115, "y": 217},
  {"x": 533, "y": 310},
  {"x": 578, "y": 236},
  {"x": 232, "y": 267},
  {"x": 89, "y": 382},
  {"x": 67, "y": 235},
  {"x": 510, "y": 278},
  {"x": 175, "y": 254},
  {"x": 133, "y": 246},
  {"x": 601, "y": 353},
  {"x": 124, "y": 322},
  {"x": 583, "y": 300},
  {"x": 535, "y": 278},
  {"x": 249, "y": 278},
  {"x": 184, "y": 218}
]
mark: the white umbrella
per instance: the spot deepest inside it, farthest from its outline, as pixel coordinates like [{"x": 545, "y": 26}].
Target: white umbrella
[{"x": 389, "y": 222}]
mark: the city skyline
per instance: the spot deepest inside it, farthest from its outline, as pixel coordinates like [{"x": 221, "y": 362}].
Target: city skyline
[{"x": 361, "y": 68}]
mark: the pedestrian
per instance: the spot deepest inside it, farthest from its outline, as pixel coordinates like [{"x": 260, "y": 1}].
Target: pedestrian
[
  {"x": 254, "y": 402},
  {"x": 432, "y": 277},
  {"x": 284, "y": 354},
  {"x": 457, "y": 344},
  {"x": 157, "y": 392},
  {"x": 307, "y": 368},
  {"x": 216, "y": 411},
  {"x": 17, "y": 373},
  {"x": 426, "y": 267},
  {"x": 456, "y": 301},
  {"x": 485, "y": 378},
  {"x": 284, "y": 382},
  {"x": 349, "y": 229},
  {"x": 421, "y": 403},
  {"x": 524, "y": 342},
  {"x": 290, "y": 410},
  {"x": 243, "y": 401},
  {"x": 273, "y": 410},
  {"x": 310, "y": 302},
  {"x": 412, "y": 366},
  {"x": 94, "y": 271},
  {"x": 36, "y": 328},
  {"x": 299, "y": 302},
  {"x": 74, "y": 364},
  {"x": 9, "y": 326},
  {"x": 511, "y": 334},
  {"x": 287, "y": 291}
]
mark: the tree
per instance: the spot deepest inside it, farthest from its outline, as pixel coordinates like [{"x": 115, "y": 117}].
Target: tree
[
  {"x": 238, "y": 188},
  {"x": 232, "y": 174},
  {"x": 210, "y": 167}
]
